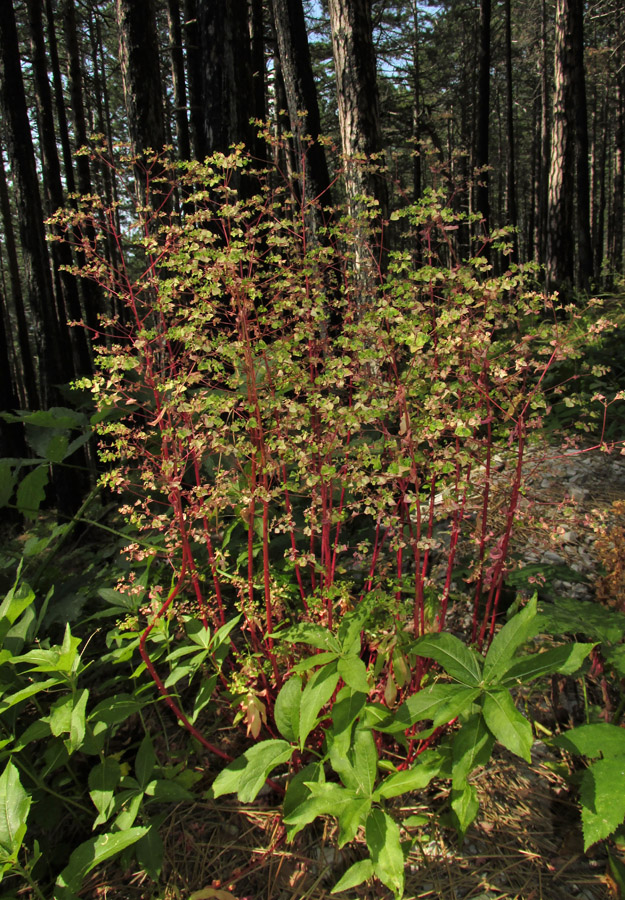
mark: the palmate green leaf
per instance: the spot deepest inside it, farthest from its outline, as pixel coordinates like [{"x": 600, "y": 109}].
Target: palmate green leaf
[
  {"x": 458, "y": 660},
  {"x": 507, "y": 724},
  {"x": 298, "y": 792},
  {"x": 315, "y": 695},
  {"x": 89, "y": 855},
  {"x": 14, "y": 808},
  {"x": 324, "y": 799},
  {"x": 248, "y": 773},
  {"x": 287, "y": 709},
  {"x": 602, "y": 798},
  {"x": 566, "y": 660},
  {"x": 345, "y": 710},
  {"x": 471, "y": 747},
  {"x": 600, "y": 739},
  {"x": 383, "y": 841},
  {"x": 506, "y": 642},
  {"x": 358, "y": 767},
  {"x": 313, "y": 662},
  {"x": 355, "y": 875}
]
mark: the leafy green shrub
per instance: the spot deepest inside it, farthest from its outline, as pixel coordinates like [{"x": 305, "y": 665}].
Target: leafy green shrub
[{"x": 307, "y": 443}]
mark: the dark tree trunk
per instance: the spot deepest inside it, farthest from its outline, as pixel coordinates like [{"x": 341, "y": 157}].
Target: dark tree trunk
[
  {"x": 582, "y": 190},
  {"x": 259, "y": 80},
  {"x": 511, "y": 204},
  {"x": 68, "y": 301},
  {"x": 301, "y": 94},
  {"x": 545, "y": 143},
  {"x": 143, "y": 90},
  {"x": 194, "y": 72},
  {"x": 178, "y": 79},
  {"x": 616, "y": 248},
  {"x": 225, "y": 59},
  {"x": 28, "y": 391},
  {"x": 560, "y": 234},
  {"x": 357, "y": 94},
  {"x": 59, "y": 102},
  {"x": 483, "y": 112},
  {"x": 29, "y": 209},
  {"x": 416, "y": 103},
  {"x": 92, "y": 296}
]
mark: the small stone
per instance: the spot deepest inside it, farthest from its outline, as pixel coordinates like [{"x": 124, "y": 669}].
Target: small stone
[{"x": 550, "y": 556}]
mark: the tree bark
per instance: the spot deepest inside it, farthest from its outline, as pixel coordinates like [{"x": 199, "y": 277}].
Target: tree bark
[
  {"x": 141, "y": 76},
  {"x": 511, "y": 204},
  {"x": 584, "y": 271},
  {"x": 178, "y": 79},
  {"x": 301, "y": 95},
  {"x": 560, "y": 235},
  {"x": 357, "y": 95},
  {"x": 29, "y": 208},
  {"x": 74, "y": 347},
  {"x": 483, "y": 113}
]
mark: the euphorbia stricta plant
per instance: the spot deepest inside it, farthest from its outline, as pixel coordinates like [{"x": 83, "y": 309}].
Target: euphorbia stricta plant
[{"x": 324, "y": 486}]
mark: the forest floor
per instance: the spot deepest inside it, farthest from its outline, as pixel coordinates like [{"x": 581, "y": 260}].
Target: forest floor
[{"x": 526, "y": 843}]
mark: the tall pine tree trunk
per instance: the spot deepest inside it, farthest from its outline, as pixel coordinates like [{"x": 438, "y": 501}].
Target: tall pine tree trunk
[
  {"x": 178, "y": 78},
  {"x": 483, "y": 113},
  {"x": 584, "y": 271},
  {"x": 560, "y": 234}
]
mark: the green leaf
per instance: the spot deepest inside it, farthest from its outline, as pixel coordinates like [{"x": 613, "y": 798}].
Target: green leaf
[
  {"x": 248, "y": 773},
  {"x": 203, "y": 697},
  {"x": 602, "y": 798},
  {"x": 312, "y": 662},
  {"x": 315, "y": 695},
  {"x": 167, "y": 791},
  {"x": 31, "y": 491},
  {"x": 115, "y": 709},
  {"x": 439, "y": 702},
  {"x": 103, "y": 779},
  {"x": 287, "y": 709},
  {"x": 566, "y": 660},
  {"x": 353, "y": 671},
  {"x": 355, "y": 875},
  {"x": 384, "y": 845},
  {"x": 358, "y": 768},
  {"x": 600, "y": 739},
  {"x": 415, "y": 779},
  {"x": 7, "y": 481},
  {"x": 145, "y": 762},
  {"x": 29, "y": 691},
  {"x": 323, "y": 799},
  {"x": 507, "y": 724},
  {"x": 150, "y": 851},
  {"x": 298, "y": 792},
  {"x": 471, "y": 747},
  {"x": 14, "y": 808},
  {"x": 572, "y": 616},
  {"x": 458, "y": 660},
  {"x": 506, "y": 642},
  {"x": 89, "y": 855},
  {"x": 308, "y": 633},
  {"x": 465, "y": 806},
  {"x": 345, "y": 710},
  {"x": 67, "y": 716}
]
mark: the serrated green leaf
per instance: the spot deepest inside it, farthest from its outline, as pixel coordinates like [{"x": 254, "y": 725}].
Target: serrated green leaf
[
  {"x": 602, "y": 798},
  {"x": 355, "y": 875},
  {"x": 471, "y": 747},
  {"x": 150, "y": 851},
  {"x": 600, "y": 739},
  {"x": 313, "y": 662},
  {"x": 203, "y": 697},
  {"x": 383, "y": 841},
  {"x": 345, "y": 710},
  {"x": 353, "y": 671},
  {"x": 115, "y": 709},
  {"x": 506, "y": 642},
  {"x": 324, "y": 799},
  {"x": 90, "y": 854},
  {"x": 363, "y": 757},
  {"x": 315, "y": 695},
  {"x": 507, "y": 724},
  {"x": 14, "y": 808},
  {"x": 248, "y": 773},
  {"x": 566, "y": 660},
  {"x": 287, "y": 709},
  {"x": 458, "y": 660},
  {"x": 298, "y": 792}
]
